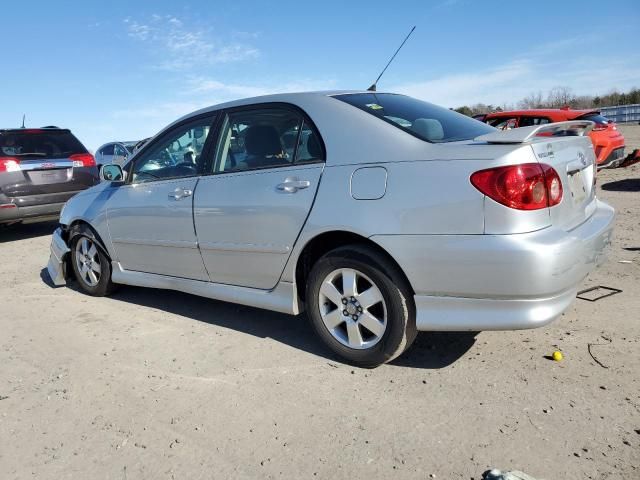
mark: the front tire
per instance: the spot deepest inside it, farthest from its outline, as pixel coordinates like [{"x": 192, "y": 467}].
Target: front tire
[
  {"x": 361, "y": 306},
  {"x": 92, "y": 268}
]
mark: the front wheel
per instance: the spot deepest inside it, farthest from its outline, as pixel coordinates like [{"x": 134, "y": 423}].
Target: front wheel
[
  {"x": 91, "y": 267},
  {"x": 360, "y": 306}
]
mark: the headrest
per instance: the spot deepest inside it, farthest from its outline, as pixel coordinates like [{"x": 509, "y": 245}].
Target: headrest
[
  {"x": 428, "y": 128},
  {"x": 262, "y": 140},
  {"x": 313, "y": 146}
]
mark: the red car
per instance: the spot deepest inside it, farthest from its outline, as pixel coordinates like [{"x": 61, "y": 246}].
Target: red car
[{"x": 607, "y": 139}]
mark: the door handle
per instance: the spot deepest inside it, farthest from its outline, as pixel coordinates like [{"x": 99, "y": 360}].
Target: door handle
[
  {"x": 293, "y": 184},
  {"x": 180, "y": 193}
]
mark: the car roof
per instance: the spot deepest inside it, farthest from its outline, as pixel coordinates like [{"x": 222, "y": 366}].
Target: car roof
[
  {"x": 33, "y": 130},
  {"x": 292, "y": 97},
  {"x": 559, "y": 113}
]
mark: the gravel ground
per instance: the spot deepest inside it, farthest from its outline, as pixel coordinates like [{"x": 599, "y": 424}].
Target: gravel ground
[{"x": 155, "y": 384}]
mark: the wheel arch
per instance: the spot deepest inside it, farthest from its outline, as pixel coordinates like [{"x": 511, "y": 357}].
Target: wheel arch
[
  {"x": 82, "y": 227},
  {"x": 324, "y": 242}
]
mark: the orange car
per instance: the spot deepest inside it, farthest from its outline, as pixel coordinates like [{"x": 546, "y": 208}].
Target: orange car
[{"x": 607, "y": 139}]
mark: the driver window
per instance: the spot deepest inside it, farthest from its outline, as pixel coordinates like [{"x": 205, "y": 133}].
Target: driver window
[{"x": 175, "y": 155}]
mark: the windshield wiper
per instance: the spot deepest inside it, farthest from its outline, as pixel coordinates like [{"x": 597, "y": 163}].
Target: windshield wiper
[{"x": 33, "y": 154}]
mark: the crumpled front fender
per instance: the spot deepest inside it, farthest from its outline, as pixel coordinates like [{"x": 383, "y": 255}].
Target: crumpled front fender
[{"x": 57, "y": 262}]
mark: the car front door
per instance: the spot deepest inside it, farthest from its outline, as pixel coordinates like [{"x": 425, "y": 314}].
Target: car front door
[
  {"x": 250, "y": 207},
  {"x": 150, "y": 217}
]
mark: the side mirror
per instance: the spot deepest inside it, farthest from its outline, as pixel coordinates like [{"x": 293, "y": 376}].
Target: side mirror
[{"x": 112, "y": 173}]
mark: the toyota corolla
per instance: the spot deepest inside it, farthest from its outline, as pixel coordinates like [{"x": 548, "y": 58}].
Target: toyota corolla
[{"x": 379, "y": 214}]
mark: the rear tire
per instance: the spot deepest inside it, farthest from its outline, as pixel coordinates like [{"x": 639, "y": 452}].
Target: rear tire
[
  {"x": 91, "y": 266},
  {"x": 361, "y": 306}
]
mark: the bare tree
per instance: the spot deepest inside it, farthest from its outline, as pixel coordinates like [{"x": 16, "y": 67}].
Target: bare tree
[
  {"x": 533, "y": 100},
  {"x": 559, "y": 97},
  {"x": 583, "y": 101}
]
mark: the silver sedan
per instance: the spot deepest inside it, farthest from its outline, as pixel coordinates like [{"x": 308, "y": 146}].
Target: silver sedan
[{"x": 379, "y": 214}]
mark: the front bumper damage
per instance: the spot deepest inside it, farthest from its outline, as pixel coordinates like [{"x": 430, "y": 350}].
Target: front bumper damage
[{"x": 57, "y": 263}]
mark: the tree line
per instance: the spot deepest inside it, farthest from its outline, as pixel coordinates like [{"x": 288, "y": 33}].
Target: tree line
[{"x": 555, "y": 98}]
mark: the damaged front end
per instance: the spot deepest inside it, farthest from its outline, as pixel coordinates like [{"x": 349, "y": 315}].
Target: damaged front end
[{"x": 57, "y": 266}]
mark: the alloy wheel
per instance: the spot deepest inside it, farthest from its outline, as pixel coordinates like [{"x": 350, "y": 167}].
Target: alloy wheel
[
  {"x": 88, "y": 261},
  {"x": 352, "y": 308}
]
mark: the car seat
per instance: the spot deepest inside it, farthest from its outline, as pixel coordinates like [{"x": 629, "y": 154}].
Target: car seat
[{"x": 262, "y": 144}]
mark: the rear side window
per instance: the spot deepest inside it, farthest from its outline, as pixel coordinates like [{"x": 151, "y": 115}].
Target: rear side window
[
  {"x": 40, "y": 144},
  {"x": 595, "y": 117},
  {"x": 503, "y": 123},
  {"x": 266, "y": 138},
  {"x": 421, "y": 119},
  {"x": 108, "y": 150},
  {"x": 531, "y": 121}
]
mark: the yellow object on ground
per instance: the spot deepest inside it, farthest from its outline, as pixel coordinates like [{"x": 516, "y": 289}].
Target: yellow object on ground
[{"x": 557, "y": 356}]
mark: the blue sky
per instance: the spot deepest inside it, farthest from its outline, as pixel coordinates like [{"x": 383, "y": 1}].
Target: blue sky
[{"x": 121, "y": 70}]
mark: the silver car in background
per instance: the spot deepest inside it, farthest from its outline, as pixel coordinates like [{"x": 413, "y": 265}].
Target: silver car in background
[
  {"x": 115, "y": 153},
  {"x": 379, "y": 214}
]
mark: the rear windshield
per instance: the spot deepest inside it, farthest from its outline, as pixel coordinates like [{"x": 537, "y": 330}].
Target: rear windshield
[
  {"x": 421, "y": 119},
  {"x": 594, "y": 117},
  {"x": 39, "y": 143}
]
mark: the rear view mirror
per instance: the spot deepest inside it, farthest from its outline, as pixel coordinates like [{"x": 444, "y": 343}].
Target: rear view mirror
[{"x": 112, "y": 173}]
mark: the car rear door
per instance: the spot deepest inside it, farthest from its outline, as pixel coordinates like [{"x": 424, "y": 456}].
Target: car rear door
[
  {"x": 150, "y": 217},
  {"x": 105, "y": 155},
  {"x": 251, "y": 207}
]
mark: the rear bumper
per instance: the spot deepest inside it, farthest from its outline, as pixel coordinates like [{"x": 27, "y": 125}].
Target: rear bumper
[
  {"x": 496, "y": 282},
  {"x": 57, "y": 265},
  {"x": 615, "y": 158},
  {"x": 23, "y": 213},
  {"x": 606, "y": 147},
  {"x": 33, "y": 206},
  {"x": 478, "y": 314}
]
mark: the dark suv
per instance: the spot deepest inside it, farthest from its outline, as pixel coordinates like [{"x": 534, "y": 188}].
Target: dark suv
[{"x": 40, "y": 169}]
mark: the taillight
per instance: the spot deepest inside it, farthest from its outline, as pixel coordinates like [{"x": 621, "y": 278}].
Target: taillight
[
  {"x": 553, "y": 184},
  {"x": 83, "y": 160},
  {"x": 9, "y": 164},
  {"x": 529, "y": 186}
]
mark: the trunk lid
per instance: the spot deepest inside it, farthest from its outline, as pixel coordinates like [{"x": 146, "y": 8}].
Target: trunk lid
[
  {"x": 575, "y": 161},
  {"x": 567, "y": 148}
]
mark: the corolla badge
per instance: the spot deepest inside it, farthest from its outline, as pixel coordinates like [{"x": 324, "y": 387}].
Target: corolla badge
[{"x": 548, "y": 153}]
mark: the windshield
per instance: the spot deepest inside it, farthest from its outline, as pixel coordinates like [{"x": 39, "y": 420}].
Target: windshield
[
  {"x": 421, "y": 119},
  {"x": 595, "y": 117},
  {"x": 40, "y": 143},
  {"x": 130, "y": 146}
]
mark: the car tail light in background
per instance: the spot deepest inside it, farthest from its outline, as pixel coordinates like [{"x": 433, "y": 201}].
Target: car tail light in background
[
  {"x": 9, "y": 164},
  {"x": 83, "y": 160},
  {"x": 529, "y": 186}
]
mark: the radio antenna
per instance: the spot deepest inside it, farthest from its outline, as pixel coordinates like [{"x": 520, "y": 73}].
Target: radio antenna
[
  {"x": 23, "y": 115},
  {"x": 373, "y": 87}
]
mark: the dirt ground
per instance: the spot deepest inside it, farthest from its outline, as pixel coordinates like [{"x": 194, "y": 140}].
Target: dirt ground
[{"x": 154, "y": 384}]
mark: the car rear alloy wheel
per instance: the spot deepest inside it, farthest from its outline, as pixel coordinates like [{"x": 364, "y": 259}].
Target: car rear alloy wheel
[
  {"x": 88, "y": 262},
  {"x": 352, "y": 308},
  {"x": 361, "y": 305}
]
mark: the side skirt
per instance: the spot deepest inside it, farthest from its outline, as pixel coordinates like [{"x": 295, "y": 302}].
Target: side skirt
[{"x": 283, "y": 298}]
